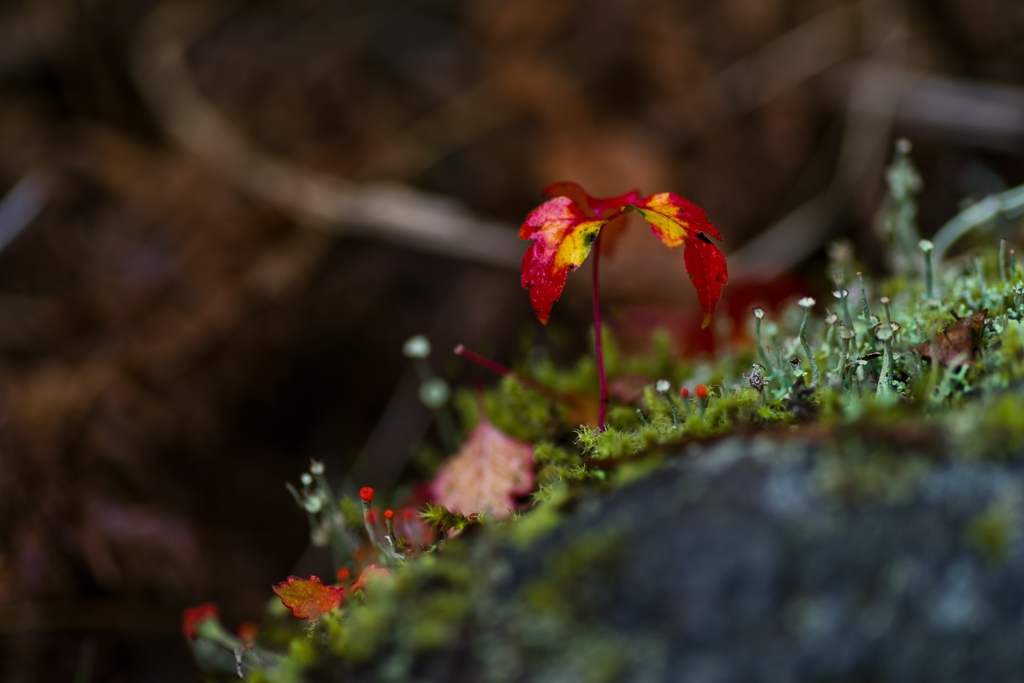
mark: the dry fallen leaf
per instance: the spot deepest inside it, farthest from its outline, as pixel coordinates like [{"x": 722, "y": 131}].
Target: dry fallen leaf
[
  {"x": 485, "y": 474},
  {"x": 960, "y": 340}
]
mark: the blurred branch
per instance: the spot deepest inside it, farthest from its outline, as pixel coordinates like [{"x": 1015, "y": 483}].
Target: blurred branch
[
  {"x": 458, "y": 122},
  {"x": 1006, "y": 204},
  {"x": 800, "y": 233},
  {"x": 958, "y": 111},
  {"x": 807, "y": 50},
  {"x": 21, "y": 205},
  {"x": 392, "y": 212}
]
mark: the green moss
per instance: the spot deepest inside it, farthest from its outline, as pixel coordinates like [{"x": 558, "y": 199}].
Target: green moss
[{"x": 991, "y": 531}]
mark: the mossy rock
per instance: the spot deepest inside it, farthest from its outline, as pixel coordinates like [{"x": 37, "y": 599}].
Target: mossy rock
[{"x": 737, "y": 561}]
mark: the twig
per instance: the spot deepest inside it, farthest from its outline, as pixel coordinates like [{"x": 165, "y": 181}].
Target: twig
[{"x": 386, "y": 211}]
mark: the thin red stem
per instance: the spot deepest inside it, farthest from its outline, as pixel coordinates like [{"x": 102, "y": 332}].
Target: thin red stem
[
  {"x": 461, "y": 350},
  {"x": 597, "y": 336}
]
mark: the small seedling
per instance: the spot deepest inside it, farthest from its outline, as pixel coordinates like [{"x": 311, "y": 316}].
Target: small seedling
[{"x": 564, "y": 229}]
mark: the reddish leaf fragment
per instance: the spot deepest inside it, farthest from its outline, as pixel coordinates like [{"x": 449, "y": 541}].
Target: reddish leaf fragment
[
  {"x": 308, "y": 598},
  {"x": 192, "y": 616},
  {"x": 957, "y": 343},
  {"x": 370, "y": 574},
  {"x": 485, "y": 474},
  {"x": 609, "y": 208},
  {"x": 562, "y": 235}
]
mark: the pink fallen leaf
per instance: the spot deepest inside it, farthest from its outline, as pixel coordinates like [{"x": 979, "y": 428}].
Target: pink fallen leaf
[{"x": 486, "y": 474}]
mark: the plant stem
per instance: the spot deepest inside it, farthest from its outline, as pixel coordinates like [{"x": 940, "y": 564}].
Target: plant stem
[
  {"x": 597, "y": 336},
  {"x": 498, "y": 369}
]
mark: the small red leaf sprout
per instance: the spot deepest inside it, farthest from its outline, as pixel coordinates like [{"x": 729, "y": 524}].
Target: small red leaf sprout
[
  {"x": 192, "y": 617},
  {"x": 366, "y": 493},
  {"x": 565, "y": 228}
]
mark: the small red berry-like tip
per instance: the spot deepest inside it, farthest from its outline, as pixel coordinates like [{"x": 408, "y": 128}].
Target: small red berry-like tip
[
  {"x": 366, "y": 493},
  {"x": 247, "y": 632},
  {"x": 389, "y": 514},
  {"x": 343, "y": 574},
  {"x": 684, "y": 392},
  {"x": 702, "y": 391}
]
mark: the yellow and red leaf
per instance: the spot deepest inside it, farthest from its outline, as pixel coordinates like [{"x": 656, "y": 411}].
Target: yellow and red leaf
[
  {"x": 674, "y": 219},
  {"x": 486, "y": 473},
  {"x": 677, "y": 221},
  {"x": 308, "y": 598},
  {"x": 562, "y": 235}
]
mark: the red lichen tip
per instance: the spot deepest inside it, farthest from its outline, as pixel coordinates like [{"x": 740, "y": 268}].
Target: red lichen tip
[
  {"x": 702, "y": 392},
  {"x": 684, "y": 392},
  {"x": 247, "y": 632},
  {"x": 366, "y": 493},
  {"x": 343, "y": 574},
  {"x": 389, "y": 514},
  {"x": 192, "y": 616}
]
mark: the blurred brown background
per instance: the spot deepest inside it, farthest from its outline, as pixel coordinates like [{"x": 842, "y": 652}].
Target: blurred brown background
[{"x": 223, "y": 219}]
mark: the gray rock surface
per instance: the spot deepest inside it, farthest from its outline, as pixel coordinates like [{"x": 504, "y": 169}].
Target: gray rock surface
[{"x": 735, "y": 564}]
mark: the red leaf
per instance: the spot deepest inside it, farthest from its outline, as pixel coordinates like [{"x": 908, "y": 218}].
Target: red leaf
[
  {"x": 706, "y": 267},
  {"x": 676, "y": 220},
  {"x": 609, "y": 208},
  {"x": 308, "y": 598},
  {"x": 562, "y": 236},
  {"x": 370, "y": 574},
  {"x": 486, "y": 473}
]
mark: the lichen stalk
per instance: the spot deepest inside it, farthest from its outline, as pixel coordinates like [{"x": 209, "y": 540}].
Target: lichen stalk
[
  {"x": 758, "y": 315},
  {"x": 927, "y": 247},
  {"x": 842, "y": 294},
  {"x": 807, "y": 303}
]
